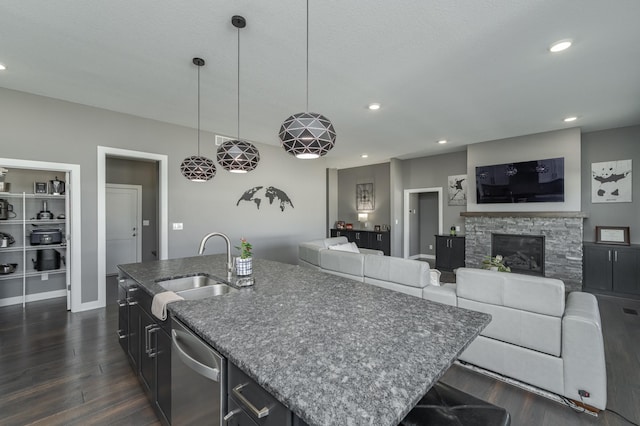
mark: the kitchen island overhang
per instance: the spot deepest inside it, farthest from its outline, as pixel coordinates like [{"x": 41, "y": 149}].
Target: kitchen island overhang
[{"x": 333, "y": 350}]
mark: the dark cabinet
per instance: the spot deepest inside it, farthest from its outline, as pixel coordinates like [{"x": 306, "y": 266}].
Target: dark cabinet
[
  {"x": 374, "y": 240},
  {"x": 149, "y": 349},
  {"x": 449, "y": 252},
  {"x": 612, "y": 269}
]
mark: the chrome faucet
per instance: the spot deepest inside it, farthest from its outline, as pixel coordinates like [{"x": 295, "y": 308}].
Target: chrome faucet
[{"x": 228, "y": 242}]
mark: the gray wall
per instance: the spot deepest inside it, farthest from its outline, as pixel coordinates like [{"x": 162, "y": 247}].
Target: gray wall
[
  {"x": 347, "y": 180},
  {"x": 145, "y": 173},
  {"x": 45, "y": 129},
  {"x": 610, "y": 145}
]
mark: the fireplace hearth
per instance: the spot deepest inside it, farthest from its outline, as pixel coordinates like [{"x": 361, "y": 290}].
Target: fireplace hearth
[{"x": 524, "y": 254}]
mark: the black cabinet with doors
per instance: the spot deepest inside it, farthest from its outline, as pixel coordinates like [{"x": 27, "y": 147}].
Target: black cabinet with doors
[
  {"x": 148, "y": 348},
  {"x": 611, "y": 269},
  {"x": 374, "y": 240},
  {"x": 449, "y": 252}
]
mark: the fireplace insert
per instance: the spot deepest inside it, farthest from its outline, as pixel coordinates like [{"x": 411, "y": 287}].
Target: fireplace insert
[{"x": 524, "y": 254}]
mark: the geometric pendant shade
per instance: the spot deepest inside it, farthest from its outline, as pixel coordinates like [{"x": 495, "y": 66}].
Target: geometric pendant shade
[
  {"x": 307, "y": 135},
  {"x": 197, "y": 168},
  {"x": 238, "y": 156}
]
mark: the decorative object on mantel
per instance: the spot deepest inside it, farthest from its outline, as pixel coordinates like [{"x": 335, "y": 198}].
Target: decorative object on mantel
[
  {"x": 197, "y": 168},
  {"x": 365, "y": 199},
  {"x": 457, "y": 190},
  {"x": 307, "y": 135},
  {"x": 376, "y": 228},
  {"x": 613, "y": 235},
  {"x": 272, "y": 193},
  {"x": 495, "y": 264},
  {"x": 238, "y": 156},
  {"x": 611, "y": 182},
  {"x": 244, "y": 263}
]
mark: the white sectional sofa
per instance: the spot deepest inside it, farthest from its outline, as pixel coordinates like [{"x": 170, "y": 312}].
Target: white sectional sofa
[
  {"x": 537, "y": 335},
  {"x": 368, "y": 266}
]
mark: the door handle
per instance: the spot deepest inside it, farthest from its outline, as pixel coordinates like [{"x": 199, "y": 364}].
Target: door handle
[
  {"x": 122, "y": 303},
  {"x": 231, "y": 414},
  {"x": 121, "y": 335},
  {"x": 615, "y": 255},
  {"x": 147, "y": 349},
  {"x": 152, "y": 350},
  {"x": 609, "y": 251},
  {"x": 259, "y": 413},
  {"x": 130, "y": 302},
  {"x": 194, "y": 364}
]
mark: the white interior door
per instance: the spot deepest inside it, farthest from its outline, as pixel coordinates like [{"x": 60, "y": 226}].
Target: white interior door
[{"x": 123, "y": 208}]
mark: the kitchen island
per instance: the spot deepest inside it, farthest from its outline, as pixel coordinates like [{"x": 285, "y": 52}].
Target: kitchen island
[{"x": 332, "y": 350}]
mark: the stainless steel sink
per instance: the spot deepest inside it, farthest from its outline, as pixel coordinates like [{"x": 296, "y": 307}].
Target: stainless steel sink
[
  {"x": 208, "y": 291},
  {"x": 196, "y": 286}
]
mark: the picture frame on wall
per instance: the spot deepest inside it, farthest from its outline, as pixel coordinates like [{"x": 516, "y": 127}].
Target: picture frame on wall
[
  {"x": 457, "y": 190},
  {"x": 40, "y": 188},
  {"x": 365, "y": 199},
  {"x": 613, "y": 235},
  {"x": 611, "y": 182}
]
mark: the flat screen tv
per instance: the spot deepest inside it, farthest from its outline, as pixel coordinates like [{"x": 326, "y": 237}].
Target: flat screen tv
[{"x": 539, "y": 181}]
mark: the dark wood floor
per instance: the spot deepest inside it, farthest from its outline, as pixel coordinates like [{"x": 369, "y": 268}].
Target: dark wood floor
[{"x": 58, "y": 368}]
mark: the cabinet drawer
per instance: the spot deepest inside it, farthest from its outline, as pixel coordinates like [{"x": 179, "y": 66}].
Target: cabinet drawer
[{"x": 253, "y": 399}]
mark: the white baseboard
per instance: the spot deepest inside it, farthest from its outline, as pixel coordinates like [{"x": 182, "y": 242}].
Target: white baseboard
[
  {"x": 33, "y": 297},
  {"x": 90, "y": 305}
]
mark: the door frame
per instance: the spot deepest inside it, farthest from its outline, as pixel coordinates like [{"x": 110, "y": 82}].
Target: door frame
[
  {"x": 75, "y": 246},
  {"x": 138, "y": 189},
  {"x": 163, "y": 208},
  {"x": 407, "y": 193}
]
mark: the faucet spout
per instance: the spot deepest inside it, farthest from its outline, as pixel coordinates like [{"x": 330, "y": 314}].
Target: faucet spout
[{"x": 229, "y": 265}]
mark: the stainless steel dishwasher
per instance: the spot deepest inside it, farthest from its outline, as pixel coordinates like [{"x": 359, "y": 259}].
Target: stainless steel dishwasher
[{"x": 198, "y": 380}]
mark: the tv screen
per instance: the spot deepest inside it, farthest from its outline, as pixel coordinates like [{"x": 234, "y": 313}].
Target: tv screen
[{"x": 538, "y": 181}]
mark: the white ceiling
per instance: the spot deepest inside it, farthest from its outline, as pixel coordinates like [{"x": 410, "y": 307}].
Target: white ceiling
[{"x": 465, "y": 70}]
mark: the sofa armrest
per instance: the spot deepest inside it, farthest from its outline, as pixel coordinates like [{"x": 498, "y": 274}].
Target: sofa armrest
[
  {"x": 583, "y": 350},
  {"x": 445, "y": 293},
  {"x": 371, "y": 251}
]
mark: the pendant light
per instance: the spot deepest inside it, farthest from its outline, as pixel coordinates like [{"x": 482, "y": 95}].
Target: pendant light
[
  {"x": 307, "y": 135},
  {"x": 238, "y": 156},
  {"x": 197, "y": 168}
]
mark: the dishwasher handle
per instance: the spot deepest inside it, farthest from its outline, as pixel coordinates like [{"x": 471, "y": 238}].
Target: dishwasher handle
[{"x": 194, "y": 364}]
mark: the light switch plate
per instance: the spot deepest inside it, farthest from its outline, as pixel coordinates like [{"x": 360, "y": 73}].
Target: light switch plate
[
  {"x": 145, "y": 222},
  {"x": 44, "y": 277},
  {"x": 177, "y": 226}
]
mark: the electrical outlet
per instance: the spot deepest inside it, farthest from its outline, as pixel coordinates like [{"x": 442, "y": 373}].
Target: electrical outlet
[
  {"x": 177, "y": 226},
  {"x": 430, "y": 246},
  {"x": 458, "y": 228}
]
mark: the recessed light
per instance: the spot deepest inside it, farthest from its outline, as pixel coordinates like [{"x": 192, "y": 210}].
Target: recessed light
[
  {"x": 442, "y": 141},
  {"x": 559, "y": 46},
  {"x": 570, "y": 119},
  {"x": 365, "y": 156},
  {"x": 2, "y": 67},
  {"x": 374, "y": 107}
]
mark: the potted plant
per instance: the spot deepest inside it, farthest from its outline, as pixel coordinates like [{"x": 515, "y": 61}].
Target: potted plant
[
  {"x": 244, "y": 264},
  {"x": 495, "y": 264}
]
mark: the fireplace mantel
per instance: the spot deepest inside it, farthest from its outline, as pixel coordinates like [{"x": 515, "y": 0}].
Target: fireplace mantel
[{"x": 582, "y": 215}]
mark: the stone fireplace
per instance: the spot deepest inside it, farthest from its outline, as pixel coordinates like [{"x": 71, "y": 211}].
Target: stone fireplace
[{"x": 561, "y": 232}]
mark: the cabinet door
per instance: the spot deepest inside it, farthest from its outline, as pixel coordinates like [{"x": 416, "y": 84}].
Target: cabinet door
[
  {"x": 147, "y": 362},
  {"x": 443, "y": 254},
  {"x": 335, "y": 233},
  {"x": 134, "y": 336},
  {"x": 598, "y": 268},
  {"x": 123, "y": 318},
  {"x": 626, "y": 270},
  {"x": 456, "y": 246},
  {"x": 381, "y": 241},
  {"x": 163, "y": 369},
  {"x": 361, "y": 238}
]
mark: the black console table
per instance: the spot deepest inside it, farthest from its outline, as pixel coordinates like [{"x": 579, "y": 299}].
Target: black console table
[
  {"x": 375, "y": 240},
  {"x": 449, "y": 252},
  {"x": 612, "y": 269}
]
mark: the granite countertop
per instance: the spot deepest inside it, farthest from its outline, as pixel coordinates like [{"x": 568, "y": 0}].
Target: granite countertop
[{"x": 333, "y": 350}]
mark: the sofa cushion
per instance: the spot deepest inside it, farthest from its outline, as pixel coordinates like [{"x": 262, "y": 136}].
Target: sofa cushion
[
  {"x": 310, "y": 251},
  {"x": 350, "y": 247},
  {"x": 445, "y": 293},
  {"x": 411, "y": 273},
  {"x": 343, "y": 262},
  {"x": 530, "y": 293},
  {"x": 523, "y": 328}
]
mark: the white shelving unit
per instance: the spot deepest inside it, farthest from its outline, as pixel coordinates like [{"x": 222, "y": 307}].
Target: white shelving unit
[{"x": 26, "y": 207}]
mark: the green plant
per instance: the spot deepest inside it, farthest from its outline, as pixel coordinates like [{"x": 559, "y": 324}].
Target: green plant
[
  {"x": 245, "y": 248},
  {"x": 495, "y": 262}
]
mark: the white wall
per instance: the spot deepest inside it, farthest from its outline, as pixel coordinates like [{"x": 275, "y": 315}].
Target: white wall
[
  {"x": 45, "y": 129},
  {"x": 561, "y": 143}
]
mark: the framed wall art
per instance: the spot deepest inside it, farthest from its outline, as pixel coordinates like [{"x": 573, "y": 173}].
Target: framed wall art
[
  {"x": 457, "y": 190},
  {"x": 365, "y": 199},
  {"x": 613, "y": 235},
  {"x": 611, "y": 182}
]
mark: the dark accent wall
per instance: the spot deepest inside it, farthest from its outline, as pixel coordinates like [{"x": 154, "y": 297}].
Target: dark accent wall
[
  {"x": 145, "y": 173},
  {"x": 609, "y": 145}
]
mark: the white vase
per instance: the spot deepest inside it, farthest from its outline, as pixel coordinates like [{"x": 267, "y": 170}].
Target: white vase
[
  {"x": 244, "y": 267},
  {"x": 494, "y": 268}
]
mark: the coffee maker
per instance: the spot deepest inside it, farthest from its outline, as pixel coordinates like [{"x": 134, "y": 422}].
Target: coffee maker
[
  {"x": 6, "y": 210},
  {"x": 57, "y": 186}
]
